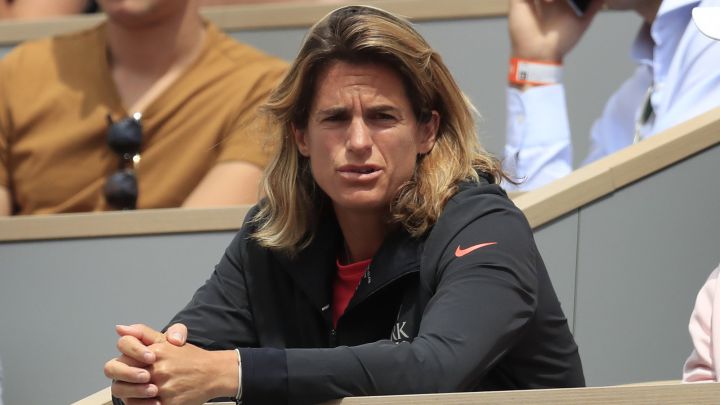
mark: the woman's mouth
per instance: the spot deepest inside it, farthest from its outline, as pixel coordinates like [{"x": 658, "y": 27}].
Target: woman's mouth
[{"x": 359, "y": 172}]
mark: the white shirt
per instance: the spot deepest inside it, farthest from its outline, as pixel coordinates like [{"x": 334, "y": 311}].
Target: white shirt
[{"x": 681, "y": 64}]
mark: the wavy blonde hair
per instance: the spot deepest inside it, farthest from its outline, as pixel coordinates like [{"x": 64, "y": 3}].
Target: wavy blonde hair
[{"x": 294, "y": 205}]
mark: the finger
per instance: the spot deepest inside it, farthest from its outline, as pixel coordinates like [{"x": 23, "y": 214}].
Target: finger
[
  {"x": 127, "y": 391},
  {"x": 135, "y": 349},
  {"x": 177, "y": 334},
  {"x": 131, "y": 362},
  {"x": 123, "y": 330},
  {"x": 117, "y": 370},
  {"x": 144, "y": 333}
]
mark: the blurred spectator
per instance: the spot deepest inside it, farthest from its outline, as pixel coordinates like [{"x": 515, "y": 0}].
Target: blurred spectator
[
  {"x": 33, "y": 9},
  {"x": 68, "y": 141},
  {"x": 26, "y": 9},
  {"x": 704, "y": 361},
  {"x": 676, "y": 79}
]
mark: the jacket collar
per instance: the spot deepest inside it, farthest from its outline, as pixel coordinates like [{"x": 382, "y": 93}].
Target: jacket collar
[
  {"x": 398, "y": 256},
  {"x": 314, "y": 268}
]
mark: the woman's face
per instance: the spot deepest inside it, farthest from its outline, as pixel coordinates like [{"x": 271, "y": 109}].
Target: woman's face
[{"x": 362, "y": 137}]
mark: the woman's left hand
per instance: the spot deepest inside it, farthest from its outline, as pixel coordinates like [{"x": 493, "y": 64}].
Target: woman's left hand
[
  {"x": 191, "y": 375},
  {"x": 161, "y": 367}
]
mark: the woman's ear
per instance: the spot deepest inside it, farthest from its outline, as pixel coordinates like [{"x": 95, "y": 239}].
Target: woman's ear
[
  {"x": 428, "y": 132},
  {"x": 301, "y": 141}
]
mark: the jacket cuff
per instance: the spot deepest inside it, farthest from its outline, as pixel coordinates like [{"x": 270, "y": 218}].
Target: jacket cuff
[{"x": 264, "y": 376}]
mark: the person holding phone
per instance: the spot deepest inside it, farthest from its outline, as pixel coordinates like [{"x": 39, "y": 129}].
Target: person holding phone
[
  {"x": 676, "y": 79},
  {"x": 386, "y": 259}
]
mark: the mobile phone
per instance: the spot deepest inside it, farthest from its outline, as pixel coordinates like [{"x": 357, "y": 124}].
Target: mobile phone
[{"x": 579, "y": 6}]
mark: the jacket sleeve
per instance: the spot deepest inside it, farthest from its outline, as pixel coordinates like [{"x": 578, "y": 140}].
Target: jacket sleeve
[
  {"x": 701, "y": 365},
  {"x": 481, "y": 303},
  {"x": 538, "y": 147},
  {"x": 218, "y": 316}
]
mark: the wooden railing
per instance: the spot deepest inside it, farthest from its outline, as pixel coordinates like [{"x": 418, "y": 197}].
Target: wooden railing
[
  {"x": 660, "y": 393},
  {"x": 615, "y": 171}
]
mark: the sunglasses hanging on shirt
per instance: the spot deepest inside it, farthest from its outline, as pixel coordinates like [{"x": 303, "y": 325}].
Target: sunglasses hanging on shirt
[
  {"x": 645, "y": 115},
  {"x": 124, "y": 137}
]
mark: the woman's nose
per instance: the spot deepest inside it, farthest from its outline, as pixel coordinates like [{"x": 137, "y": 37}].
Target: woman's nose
[{"x": 359, "y": 137}]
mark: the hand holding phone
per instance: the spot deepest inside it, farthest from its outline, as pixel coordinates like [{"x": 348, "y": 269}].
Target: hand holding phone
[{"x": 547, "y": 30}]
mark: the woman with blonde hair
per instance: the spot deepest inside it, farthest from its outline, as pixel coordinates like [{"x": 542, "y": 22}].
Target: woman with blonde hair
[{"x": 385, "y": 258}]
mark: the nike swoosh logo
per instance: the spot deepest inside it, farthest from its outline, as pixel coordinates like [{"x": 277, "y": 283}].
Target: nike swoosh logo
[{"x": 459, "y": 252}]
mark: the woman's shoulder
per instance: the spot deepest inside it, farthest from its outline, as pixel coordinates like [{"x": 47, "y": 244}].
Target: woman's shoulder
[
  {"x": 243, "y": 239},
  {"x": 478, "y": 199},
  {"x": 478, "y": 210}
]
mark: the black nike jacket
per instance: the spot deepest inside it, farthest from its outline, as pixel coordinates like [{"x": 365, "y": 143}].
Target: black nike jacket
[{"x": 468, "y": 307}]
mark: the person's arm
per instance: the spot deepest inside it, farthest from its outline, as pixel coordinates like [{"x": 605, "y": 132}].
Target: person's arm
[
  {"x": 228, "y": 183},
  {"x": 701, "y": 365},
  {"x": 244, "y": 151},
  {"x": 25, "y": 9},
  {"x": 5, "y": 202},
  {"x": 6, "y": 205},
  {"x": 697, "y": 86},
  {"x": 538, "y": 148}
]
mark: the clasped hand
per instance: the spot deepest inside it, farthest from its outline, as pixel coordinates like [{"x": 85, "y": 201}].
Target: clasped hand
[{"x": 157, "y": 368}]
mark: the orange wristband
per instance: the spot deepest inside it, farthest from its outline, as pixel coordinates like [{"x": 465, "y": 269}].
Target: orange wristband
[{"x": 525, "y": 71}]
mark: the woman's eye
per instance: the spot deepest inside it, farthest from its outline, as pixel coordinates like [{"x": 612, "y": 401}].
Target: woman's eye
[
  {"x": 384, "y": 117},
  {"x": 333, "y": 118}
]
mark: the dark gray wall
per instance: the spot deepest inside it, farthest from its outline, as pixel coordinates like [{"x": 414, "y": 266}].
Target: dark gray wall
[
  {"x": 561, "y": 263},
  {"x": 636, "y": 260},
  {"x": 643, "y": 253}
]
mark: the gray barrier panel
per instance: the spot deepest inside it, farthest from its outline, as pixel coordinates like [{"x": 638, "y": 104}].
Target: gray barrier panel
[
  {"x": 557, "y": 243},
  {"x": 643, "y": 254},
  {"x": 60, "y": 300}
]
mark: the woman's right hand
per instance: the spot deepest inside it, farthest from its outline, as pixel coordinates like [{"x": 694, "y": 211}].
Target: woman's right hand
[{"x": 546, "y": 30}]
